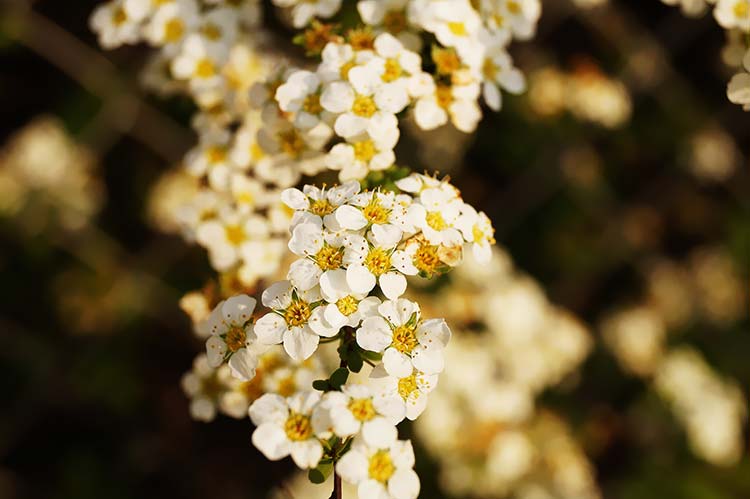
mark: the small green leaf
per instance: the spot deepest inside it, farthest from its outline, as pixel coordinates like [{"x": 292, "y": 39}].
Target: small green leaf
[
  {"x": 355, "y": 362},
  {"x": 321, "y": 473},
  {"x": 339, "y": 377},
  {"x": 321, "y": 385}
]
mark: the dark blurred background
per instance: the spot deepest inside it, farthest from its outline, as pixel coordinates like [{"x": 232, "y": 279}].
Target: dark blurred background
[{"x": 93, "y": 344}]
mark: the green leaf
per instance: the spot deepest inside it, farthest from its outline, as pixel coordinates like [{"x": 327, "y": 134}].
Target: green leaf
[
  {"x": 321, "y": 385},
  {"x": 354, "y": 360},
  {"x": 321, "y": 473},
  {"x": 339, "y": 377}
]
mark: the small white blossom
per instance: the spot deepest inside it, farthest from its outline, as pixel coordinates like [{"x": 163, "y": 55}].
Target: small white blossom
[
  {"x": 407, "y": 342},
  {"x": 382, "y": 472},
  {"x": 285, "y": 427}
]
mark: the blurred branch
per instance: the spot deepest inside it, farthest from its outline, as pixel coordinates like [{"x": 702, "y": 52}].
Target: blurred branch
[{"x": 123, "y": 110}]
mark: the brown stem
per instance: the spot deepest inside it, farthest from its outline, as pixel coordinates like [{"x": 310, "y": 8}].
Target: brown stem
[{"x": 337, "y": 492}]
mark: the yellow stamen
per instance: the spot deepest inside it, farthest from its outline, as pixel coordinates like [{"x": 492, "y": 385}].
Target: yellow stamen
[
  {"x": 362, "y": 409},
  {"x": 297, "y": 313},
  {"x": 298, "y": 427}
]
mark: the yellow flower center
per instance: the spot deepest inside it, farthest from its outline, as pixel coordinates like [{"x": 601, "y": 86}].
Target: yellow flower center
[
  {"x": 211, "y": 31},
  {"x": 499, "y": 20},
  {"x": 347, "y": 305},
  {"x": 245, "y": 198},
  {"x": 329, "y": 258},
  {"x": 489, "y": 69},
  {"x": 446, "y": 60},
  {"x": 235, "y": 234},
  {"x": 407, "y": 386},
  {"x": 393, "y": 71},
  {"x": 287, "y": 386},
  {"x": 205, "y": 68},
  {"x": 514, "y": 7},
  {"x": 364, "y": 150},
  {"x": 364, "y": 106},
  {"x": 298, "y": 427},
  {"x": 378, "y": 261},
  {"x": 361, "y": 38},
  {"x": 444, "y": 96},
  {"x": 174, "y": 29},
  {"x": 362, "y": 409},
  {"x": 394, "y": 21},
  {"x": 345, "y": 68},
  {"x": 119, "y": 16},
  {"x": 312, "y": 104},
  {"x": 426, "y": 259},
  {"x": 256, "y": 152},
  {"x": 435, "y": 220},
  {"x": 321, "y": 207},
  {"x": 380, "y": 466},
  {"x": 458, "y": 29},
  {"x": 216, "y": 154},
  {"x": 235, "y": 338},
  {"x": 297, "y": 313},
  {"x": 374, "y": 212},
  {"x": 741, "y": 9},
  {"x": 252, "y": 389},
  {"x": 405, "y": 338},
  {"x": 291, "y": 143}
]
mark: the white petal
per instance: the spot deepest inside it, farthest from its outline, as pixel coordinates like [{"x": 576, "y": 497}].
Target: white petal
[
  {"x": 304, "y": 274},
  {"x": 428, "y": 360},
  {"x": 243, "y": 364},
  {"x": 396, "y": 363},
  {"x": 379, "y": 433},
  {"x": 216, "y": 348},
  {"x": 300, "y": 343},
  {"x": 307, "y": 454},
  {"x": 352, "y": 466},
  {"x": 393, "y": 284},
  {"x": 269, "y": 408},
  {"x": 270, "y": 328},
  {"x": 271, "y": 440},
  {"x": 374, "y": 335},
  {"x": 360, "y": 279},
  {"x": 404, "y": 484},
  {"x": 350, "y": 217},
  {"x": 278, "y": 295}
]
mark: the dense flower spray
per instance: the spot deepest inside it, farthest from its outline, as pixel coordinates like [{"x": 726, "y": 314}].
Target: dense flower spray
[{"x": 263, "y": 124}]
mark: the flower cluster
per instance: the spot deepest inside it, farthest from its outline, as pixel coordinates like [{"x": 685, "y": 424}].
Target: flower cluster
[{"x": 264, "y": 126}]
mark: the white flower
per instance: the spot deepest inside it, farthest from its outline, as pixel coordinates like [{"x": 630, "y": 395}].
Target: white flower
[
  {"x": 300, "y": 95},
  {"x": 247, "y": 193},
  {"x": 200, "y": 63},
  {"x": 368, "y": 264},
  {"x": 219, "y": 27},
  {"x": 407, "y": 342},
  {"x": 211, "y": 158},
  {"x": 172, "y": 22},
  {"x": 285, "y": 426},
  {"x": 392, "y": 17},
  {"x": 442, "y": 102},
  {"x": 738, "y": 90},
  {"x": 478, "y": 231},
  {"x": 396, "y": 65},
  {"x": 303, "y": 11},
  {"x": 260, "y": 259},
  {"x": 733, "y": 14},
  {"x": 455, "y": 23},
  {"x": 290, "y": 320},
  {"x": 337, "y": 59},
  {"x": 287, "y": 144},
  {"x": 232, "y": 337},
  {"x": 498, "y": 71},
  {"x": 354, "y": 410},
  {"x": 316, "y": 205},
  {"x": 225, "y": 236},
  {"x": 113, "y": 25},
  {"x": 417, "y": 182},
  {"x": 204, "y": 385},
  {"x": 518, "y": 16},
  {"x": 436, "y": 212},
  {"x": 382, "y": 472},
  {"x": 361, "y": 154},
  {"x": 383, "y": 213},
  {"x": 246, "y": 152},
  {"x": 363, "y": 104},
  {"x": 345, "y": 307},
  {"x": 409, "y": 392},
  {"x": 321, "y": 250}
]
